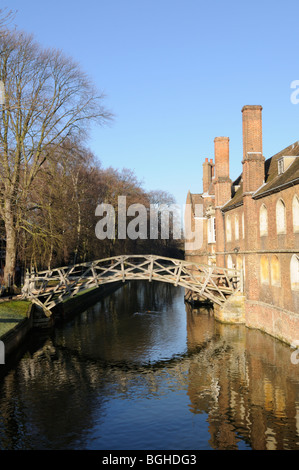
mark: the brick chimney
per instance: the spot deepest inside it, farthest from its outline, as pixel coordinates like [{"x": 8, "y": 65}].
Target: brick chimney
[
  {"x": 253, "y": 160},
  {"x": 222, "y": 184},
  {"x": 211, "y": 161},
  {"x": 207, "y": 174},
  {"x": 222, "y": 180}
]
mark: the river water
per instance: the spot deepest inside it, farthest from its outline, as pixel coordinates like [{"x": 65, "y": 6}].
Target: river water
[{"x": 142, "y": 370}]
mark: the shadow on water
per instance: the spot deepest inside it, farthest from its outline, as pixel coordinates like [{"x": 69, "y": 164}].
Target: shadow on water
[{"x": 143, "y": 370}]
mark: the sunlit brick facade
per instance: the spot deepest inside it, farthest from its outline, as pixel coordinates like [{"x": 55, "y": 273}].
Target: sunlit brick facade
[{"x": 256, "y": 220}]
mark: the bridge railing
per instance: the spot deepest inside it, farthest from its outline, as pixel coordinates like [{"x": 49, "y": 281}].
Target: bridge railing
[{"x": 49, "y": 287}]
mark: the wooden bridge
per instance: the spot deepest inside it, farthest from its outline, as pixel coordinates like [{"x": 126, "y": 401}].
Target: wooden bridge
[{"x": 48, "y": 288}]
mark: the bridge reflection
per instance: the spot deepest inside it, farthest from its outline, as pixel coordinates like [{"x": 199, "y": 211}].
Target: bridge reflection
[{"x": 241, "y": 379}]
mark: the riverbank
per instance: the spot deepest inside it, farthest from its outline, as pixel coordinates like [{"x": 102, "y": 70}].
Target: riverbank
[
  {"x": 11, "y": 313},
  {"x": 142, "y": 369},
  {"x": 15, "y": 324},
  {"x": 19, "y": 317}
]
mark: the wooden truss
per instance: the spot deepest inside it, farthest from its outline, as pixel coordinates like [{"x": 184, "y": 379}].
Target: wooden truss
[{"x": 48, "y": 288}]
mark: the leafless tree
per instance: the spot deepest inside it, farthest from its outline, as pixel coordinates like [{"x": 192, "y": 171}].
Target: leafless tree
[
  {"x": 6, "y": 17},
  {"x": 47, "y": 99}
]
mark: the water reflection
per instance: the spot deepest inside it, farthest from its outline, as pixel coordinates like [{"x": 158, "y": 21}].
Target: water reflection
[
  {"x": 143, "y": 370},
  {"x": 247, "y": 384}
]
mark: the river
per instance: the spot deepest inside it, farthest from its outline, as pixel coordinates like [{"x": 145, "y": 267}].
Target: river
[{"x": 143, "y": 370}]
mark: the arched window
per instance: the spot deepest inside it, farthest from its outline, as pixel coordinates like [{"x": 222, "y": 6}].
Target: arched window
[
  {"x": 296, "y": 213},
  {"x": 239, "y": 262},
  {"x": 236, "y": 227},
  {"x": 228, "y": 229},
  {"x": 264, "y": 270},
  {"x": 275, "y": 271},
  {"x": 280, "y": 216},
  {"x": 263, "y": 220},
  {"x": 294, "y": 268},
  {"x": 211, "y": 230},
  {"x": 229, "y": 262}
]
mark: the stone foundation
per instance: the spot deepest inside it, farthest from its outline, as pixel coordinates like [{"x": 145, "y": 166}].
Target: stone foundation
[
  {"x": 277, "y": 322},
  {"x": 233, "y": 311}
]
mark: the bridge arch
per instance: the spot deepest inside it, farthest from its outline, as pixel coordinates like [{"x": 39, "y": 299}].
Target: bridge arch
[{"x": 50, "y": 287}]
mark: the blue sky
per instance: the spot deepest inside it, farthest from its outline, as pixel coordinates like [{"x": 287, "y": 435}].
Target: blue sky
[{"x": 177, "y": 74}]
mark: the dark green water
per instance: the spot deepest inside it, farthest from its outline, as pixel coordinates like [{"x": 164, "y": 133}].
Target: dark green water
[{"x": 142, "y": 370}]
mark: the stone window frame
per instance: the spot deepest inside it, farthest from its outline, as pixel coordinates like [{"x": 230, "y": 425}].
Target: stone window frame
[
  {"x": 275, "y": 280},
  {"x": 228, "y": 228},
  {"x": 281, "y": 228},
  {"x": 294, "y": 272},
  {"x": 295, "y": 213},
  {"x": 237, "y": 227},
  {"x": 280, "y": 166},
  {"x": 211, "y": 226},
  {"x": 229, "y": 262},
  {"x": 264, "y": 270},
  {"x": 263, "y": 223}
]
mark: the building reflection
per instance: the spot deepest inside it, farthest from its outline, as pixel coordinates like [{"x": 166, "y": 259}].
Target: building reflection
[
  {"x": 246, "y": 383},
  {"x": 241, "y": 380}
]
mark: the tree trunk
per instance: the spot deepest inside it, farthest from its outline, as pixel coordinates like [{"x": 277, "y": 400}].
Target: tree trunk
[{"x": 10, "y": 256}]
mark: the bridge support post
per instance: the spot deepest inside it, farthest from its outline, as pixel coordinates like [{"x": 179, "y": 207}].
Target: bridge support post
[
  {"x": 41, "y": 318},
  {"x": 233, "y": 311}
]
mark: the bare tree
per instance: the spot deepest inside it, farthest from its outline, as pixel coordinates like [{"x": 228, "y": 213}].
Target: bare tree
[
  {"x": 167, "y": 216},
  {"x": 47, "y": 99},
  {"x": 6, "y": 16}
]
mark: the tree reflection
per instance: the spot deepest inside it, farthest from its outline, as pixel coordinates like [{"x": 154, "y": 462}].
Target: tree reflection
[{"x": 61, "y": 394}]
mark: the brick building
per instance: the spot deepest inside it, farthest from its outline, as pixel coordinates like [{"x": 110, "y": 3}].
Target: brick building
[{"x": 252, "y": 224}]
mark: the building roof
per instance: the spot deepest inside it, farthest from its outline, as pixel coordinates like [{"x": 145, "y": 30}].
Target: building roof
[
  {"x": 195, "y": 199},
  {"x": 274, "y": 181},
  {"x": 237, "y": 195}
]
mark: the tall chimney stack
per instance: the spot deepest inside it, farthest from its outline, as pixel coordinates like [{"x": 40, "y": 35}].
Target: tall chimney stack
[
  {"x": 207, "y": 173},
  {"x": 221, "y": 146},
  {"x": 222, "y": 181},
  {"x": 253, "y": 160}
]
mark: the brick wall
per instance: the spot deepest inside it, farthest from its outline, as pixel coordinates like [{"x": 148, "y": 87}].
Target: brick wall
[{"x": 272, "y": 304}]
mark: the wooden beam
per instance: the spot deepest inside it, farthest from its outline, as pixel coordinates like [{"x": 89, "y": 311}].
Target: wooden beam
[{"x": 212, "y": 282}]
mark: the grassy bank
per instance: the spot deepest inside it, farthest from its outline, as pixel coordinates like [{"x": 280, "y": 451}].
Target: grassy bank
[{"x": 11, "y": 313}]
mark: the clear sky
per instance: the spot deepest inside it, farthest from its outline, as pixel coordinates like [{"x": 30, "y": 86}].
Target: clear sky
[{"x": 177, "y": 74}]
